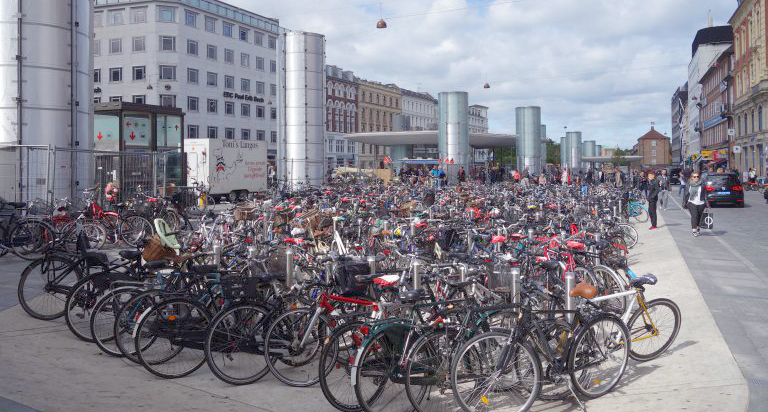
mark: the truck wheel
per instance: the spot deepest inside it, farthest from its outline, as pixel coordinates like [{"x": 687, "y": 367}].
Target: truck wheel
[
  {"x": 243, "y": 195},
  {"x": 232, "y": 197}
]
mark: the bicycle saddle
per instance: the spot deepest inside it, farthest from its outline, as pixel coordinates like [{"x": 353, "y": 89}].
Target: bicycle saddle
[
  {"x": 412, "y": 296},
  {"x": 130, "y": 254},
  {"x": 16, "y": 205},
  {"x": 550, "y": 265},
  {"x": 268, "y": 277},
  {"x": 96, "y": 259},
  {"x": 648, "y": 279},
  {"x": 156, "y": 264},
  {"x": 584, "y": 290}
]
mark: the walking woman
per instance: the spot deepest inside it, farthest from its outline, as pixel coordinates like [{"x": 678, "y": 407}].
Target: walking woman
[{"x": 695, "y": 200}]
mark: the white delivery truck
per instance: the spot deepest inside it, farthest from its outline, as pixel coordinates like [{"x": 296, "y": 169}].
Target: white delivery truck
[{"x": 228, "y": 168}]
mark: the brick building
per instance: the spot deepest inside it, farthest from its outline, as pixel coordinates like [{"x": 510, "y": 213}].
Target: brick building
[{"x": 655, "y": 149}]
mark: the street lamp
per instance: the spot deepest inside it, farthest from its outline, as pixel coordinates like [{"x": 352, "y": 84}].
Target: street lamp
[{"x": 381, "y": 24}]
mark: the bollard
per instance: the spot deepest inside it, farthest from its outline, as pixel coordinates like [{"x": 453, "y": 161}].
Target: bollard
[
  {"x": 416, "y": 266},
  {"x": 563, "y": 234},
  {"x": 530, "y": 235},
  {"x": 413, "y": 227},
  {"x": 515, "y": 285},
  {"x": 252, "y": 252},
  {"x": 289, "y": 268},
  {"x": 463, "y": 268},
  {"x": 328, "y": 272},
  {"x": 598, "y": 238},
  {"x": 570, "y": 282},
  {"x": 497, "y": 247},
  {"x": 615, "y": 211},
  {"x": 217, "y": 255},
  {"x": 469, "y": 241},
  {"x": 372, "y": 264},
  {"x": 430, "y": 213}
]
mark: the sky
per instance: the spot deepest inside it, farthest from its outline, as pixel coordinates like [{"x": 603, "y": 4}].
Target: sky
[{"x": 607, "y": 68}]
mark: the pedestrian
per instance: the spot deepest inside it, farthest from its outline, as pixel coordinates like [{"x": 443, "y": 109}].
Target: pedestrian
[
  {"x": 653, "y": 189},
  {"x": 695, "y": 200},
  {"x": 617, "y": 178},
  {"x": 542, "y": 179},
  {"x": 664, "y": 193},
  {"x": 752, "y": 176},
  {"x": 685, "y": 176},
  {"x": 461, "y": 175}
]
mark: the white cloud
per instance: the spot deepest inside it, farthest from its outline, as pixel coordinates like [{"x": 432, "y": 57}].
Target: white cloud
[{"x": 604, "y": 67}]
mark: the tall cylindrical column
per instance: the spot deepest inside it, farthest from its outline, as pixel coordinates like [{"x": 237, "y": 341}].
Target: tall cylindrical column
[
  {"x": 588, "y": 150},
  {"x": 543, "y": 136},
  {"x": 304, "y": 108},
  {"x": 599, "y": 152},
  {"x": 453, "y": 131},
  {"x": 574, "y": 146},
  {"x": 528, "y": 129},
  {"x": 565, "y": 152}
]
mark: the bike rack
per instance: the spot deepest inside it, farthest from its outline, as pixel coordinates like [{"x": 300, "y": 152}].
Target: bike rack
[
  {"x": 289, "y": 268},
  {"x": 570, "y": 282},
  {"x": 416, "y": 266}
]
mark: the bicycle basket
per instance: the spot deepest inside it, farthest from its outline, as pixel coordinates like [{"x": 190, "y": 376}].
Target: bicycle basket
[
  {"x": 239, "y": 287},
  {"x": 245, "y": 212},
  {"x": 500, "y": 279},
  {"x": 345, "y": 278},
  {"x": 154, "y": 250}
]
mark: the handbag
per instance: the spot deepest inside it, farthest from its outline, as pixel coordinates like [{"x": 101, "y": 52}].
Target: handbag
[{"x": 707, "y": 219}]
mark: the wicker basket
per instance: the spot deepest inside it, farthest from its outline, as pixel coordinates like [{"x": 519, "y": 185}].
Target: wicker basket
[
  {"x": 245, "y": 213},
  {"x": 154, "y": 250}
]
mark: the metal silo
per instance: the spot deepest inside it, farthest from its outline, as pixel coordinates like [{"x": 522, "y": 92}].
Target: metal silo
[
  {"x": 453, "y": 130},
  {"x": 528, "y": 129},
  {"x": 304, "y": 108},
  {"x": 48, "y": 46},
  {"x": 599, "y": 152},
  {"x": 574, "y": 146},
  {"x": 563, "y": 152},
  {"x": 543, "y": 152},
  {"x": 588, "y": 149}
]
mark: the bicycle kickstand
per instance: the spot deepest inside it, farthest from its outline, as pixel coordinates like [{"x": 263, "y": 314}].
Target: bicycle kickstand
[{"x": 581, "y": 404}]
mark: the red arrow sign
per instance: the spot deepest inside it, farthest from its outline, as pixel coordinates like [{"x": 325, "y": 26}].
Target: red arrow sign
[
  {"x": 99, "y": 136},
  {"x": 132, "y": 135},
  {"x": 128, "y": 124}
]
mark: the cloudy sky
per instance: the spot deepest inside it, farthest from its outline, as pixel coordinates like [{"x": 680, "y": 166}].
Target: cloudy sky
[{"x": 606, "y": 68}]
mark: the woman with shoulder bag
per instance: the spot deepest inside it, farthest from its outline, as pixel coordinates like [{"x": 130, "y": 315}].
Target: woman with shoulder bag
[{"x": 695, "y": 200}]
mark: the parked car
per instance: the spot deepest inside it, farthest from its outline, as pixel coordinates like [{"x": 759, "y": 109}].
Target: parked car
[
  {"x": 674, "y": 176},
  {"x": 724, "y": 188}
]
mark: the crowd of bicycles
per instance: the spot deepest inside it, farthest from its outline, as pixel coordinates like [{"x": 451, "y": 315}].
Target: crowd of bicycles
[{"x": 393, "y": 297}]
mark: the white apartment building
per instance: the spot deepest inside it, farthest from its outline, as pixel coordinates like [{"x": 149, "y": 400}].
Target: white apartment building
[
  {"x": 478, "y": 123},
  {"x": 216, "y": 62},
  {"x": 419, "y": 110}
]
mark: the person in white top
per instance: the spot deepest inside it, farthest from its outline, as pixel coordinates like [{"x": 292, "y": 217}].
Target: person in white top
[{"x": 695, "y": 200}]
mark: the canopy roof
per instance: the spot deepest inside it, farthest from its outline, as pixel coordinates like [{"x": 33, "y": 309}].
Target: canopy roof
[{"x": 476, "y": 140}]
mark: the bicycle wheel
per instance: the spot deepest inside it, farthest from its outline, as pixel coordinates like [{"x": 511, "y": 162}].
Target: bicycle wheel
[
  {"x": 177, "y": 329},
  {"x": 172, "y": 218},
  {"x": 29, "y": 239},
  {"x": 291, "y": 362},
  {"x": 134, "y": 229},
  {"x": 427, "y": 378},
  {"x": 378, "y": 376},
  {"x": 102, "y": 321},
  {"x": 598, "y": 356},
  {"x": 125, "y": 322},
  {"x": 3, "y": 240},
  {"x": 335, "y": 366},
  {"x": 44, "y": 286},
  {"x": 654, "y": 329},
  {"x": 609, "y": 282},
  {"x": 478, "y": 382},
  {"x": 630, "y": 235},
  {"x": 81, "y": 302},
  {"x": 638, "y": 212},
  {"x": 234, "y": 344}
]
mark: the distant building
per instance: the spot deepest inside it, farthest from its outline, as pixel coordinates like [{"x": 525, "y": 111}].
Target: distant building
[
  {"x": 378, "y": 104},
  {"x": 478, "y": 123},
  {"x": 679, "y": 107},
  {"x": 341, "y": 116},
  {"x": 419, "y": 110},
  {"x": 655, "y": 149},
  {"x": 715, "y": 110}
]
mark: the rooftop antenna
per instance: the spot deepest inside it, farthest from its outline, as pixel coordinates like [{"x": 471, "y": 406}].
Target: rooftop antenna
[{"x": 710, "y": 22}]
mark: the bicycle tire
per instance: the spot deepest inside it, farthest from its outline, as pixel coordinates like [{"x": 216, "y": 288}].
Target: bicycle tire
[
  {"x": 630, "y": 234},
  {"x": 102, "y": 320},
  {"x": 386, "y": 395},
  {"x": 639, "y": 213},
  {"x": 603, "y": 329},
  {"x": 29, "y": 239},
  {"x": 428, "y": 369},
  {"x": 638, "y": 332},
  {"x": 43, "y": 307},
  {"x": 134, "y": 229},
  {"x": 231, "y": 336},
  {"x": 334, "y": 361},
  {"x": 284, "y": 359},
  {"x": 80, "y": 303},
  {"x": 125, "y": 322}
]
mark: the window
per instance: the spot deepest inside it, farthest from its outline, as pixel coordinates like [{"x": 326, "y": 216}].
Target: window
[
  {"x": 226, "y": 29},
  {"x": 212, "y": 79},
  {"x": 116, "y": 74},
  {"x": 168, "y": 43},
  {"x": 211, "y": 52},
  {"x": 213, "y": 105},
  {"x": 115, "y": 98},
  {"x": 193, "y": 131},
  {"x": 114, "y": 17},
  {"x": 273, "y": 113},
  {"x": 115, "y": 46},
  {"x": 193, "y": 104},
  {"x": 245, "y": 85},
  {"x": 272, "y": 66},
  {"x": 166, "y": 14},
  {"x": 97, "y": 47},
  {"x": 168, "y": 100},
  {"x": 245, "y": 59},
  {"x": 98, "y": 18},
  {"x": 229, "y": 133},
  {"x": 653, "y": 152},
  {"x": 167, "y": 72},
  {"x": 260, "y": 112},
  {"x": 760, "y": 118},
  {"x": 245, "y": 134},
  {"x": 243, "y": 34},
  {"x": 229, "y": 56},
  {"x": 190, "y": 18},
  {"x": 259, "y": 63},
  {"x": 212, "y": 132},
  {"x": 330, "y": 146},
  {"x": 210, "y": 24},
  {"x": 229, "y": 82},
  {"x": 97, "y": 75},
  {"x": 245, "y": 110},
  {"x": 192, "y": 76},
  {"x": 260, "y": 135},
  {"x": 229, "y": 108},
  {"x": 139, "y": 98},
  {"x": 273, "y": 137},
  {"x": 139, "y": 15},
  {"x": 273, "y": 89},
  {"x": 139, "y": 72},
  {"x": 653, "y": 143},
  {"x": 258, "y": 38},
  {"x": 192, "y": 47},
  {"x": 138, "y": 44},
  {"x": 272, "y": 42},
  {"x": 351, "y": 147},
  {"x": 259, "y": 87}
]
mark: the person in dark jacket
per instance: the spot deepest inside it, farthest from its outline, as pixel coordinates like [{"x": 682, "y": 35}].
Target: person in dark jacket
[
  {"x": 653, "y": 190},
  {"x": 695, "y": 200}
]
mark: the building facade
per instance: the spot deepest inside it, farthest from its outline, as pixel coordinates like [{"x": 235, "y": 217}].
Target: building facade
[
  {"x": 655, "y": 149},
  {"x": 341, "y": 116},
  {"x": 419, "y": 110},
  {"x": 750, "y": 73},
  {"x": 715, "y": 110},
  {"x": 216, "y": 62},
  {"x": 478, "y": 123},
  {"x": 378, "y": 104},
  {"x": 679, "y": 107}
]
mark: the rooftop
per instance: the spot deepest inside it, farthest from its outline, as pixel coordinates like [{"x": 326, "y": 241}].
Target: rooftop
[{"x": 652, "y": 134}]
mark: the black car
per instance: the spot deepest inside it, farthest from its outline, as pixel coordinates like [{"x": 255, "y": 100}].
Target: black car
[
  {"x": 674, "y": 176},
  {"x": 724, "y": 188}
]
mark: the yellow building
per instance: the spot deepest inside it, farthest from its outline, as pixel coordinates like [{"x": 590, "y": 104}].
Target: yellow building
[{"x": 378, "y": 104}]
